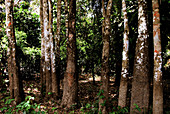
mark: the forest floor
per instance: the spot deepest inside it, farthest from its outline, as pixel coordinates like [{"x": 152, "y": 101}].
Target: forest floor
[{"x": 88, "y": 98}]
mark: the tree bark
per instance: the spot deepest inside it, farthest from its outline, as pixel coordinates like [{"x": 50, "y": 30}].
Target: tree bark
[
  {"x": 16, "y": 91},
  {"x": 125, "y": 62},
  {"x": 53, "y": 83},
  {"x": 140, "y": 83},
  {"x": 157, "y": 80},
  {"x": 56, "y": 60},
  {"x": 70, "y": 93},
  {"x": 47, "y": 47},
  {"x": 103, "y": 102},
  {"x": 42, "y": 65}
]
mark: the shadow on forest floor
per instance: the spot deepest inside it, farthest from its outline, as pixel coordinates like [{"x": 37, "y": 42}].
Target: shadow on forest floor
[{"x": 87, "y": 95}]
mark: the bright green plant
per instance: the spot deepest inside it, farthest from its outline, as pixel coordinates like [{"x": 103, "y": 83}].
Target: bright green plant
[
  {"x": 26, "y": 107},
  {"x": 137, "y": 107}
]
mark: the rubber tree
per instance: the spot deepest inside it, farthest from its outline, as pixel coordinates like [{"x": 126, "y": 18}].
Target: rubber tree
[
  {"x": 42, "y": 64},
  {"x": 106, "y": 28},
  {"x": 125, "y": 62},
  {"x": 140, "y": 83},
  {"x": 16, "y": 88},
  {"x": 70, "y": 90},
  {"x": 157, "y": 79}
]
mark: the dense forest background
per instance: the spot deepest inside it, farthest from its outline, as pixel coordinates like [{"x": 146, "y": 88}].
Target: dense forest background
[{"x": 89, "y": 45}]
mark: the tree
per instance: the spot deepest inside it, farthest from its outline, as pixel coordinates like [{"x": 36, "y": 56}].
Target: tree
[
  {"x": 140, "y": 83},
  {"x": 56, "y": 52},
  {"x": 70, "y": 93},
  {"x": 16, "y": 90},
  {"x": 50, "y": 49},
  {"x": 157, "y": 79},
  {"x": 47, "y": 47},
  {"x": 42, "y": 64},
  {"x": 53, "y": 77},
  {"x": 125, "y": 62},
  {"x": 105, "y": 57}
]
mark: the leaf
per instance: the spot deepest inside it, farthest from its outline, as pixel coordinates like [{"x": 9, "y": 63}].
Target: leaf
[
  {"x": 102, "y": 97},
  {"x": 9, "y": 101},
  {"x": 126, "y": 109},
  {"x": 137, "y": 107},
  {"x": 54, "y": 108},
  {"x": 88, "y": 105},
  {"x": 42, "y": 112},
  {"x": 49, "y": 93},
  {"x": 3, "y": 108}
]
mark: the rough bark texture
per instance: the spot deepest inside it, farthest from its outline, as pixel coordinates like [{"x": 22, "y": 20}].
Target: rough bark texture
[
  {"x": 140, "y": 83},
  {"x": 125, "y": 61},
  {"x": 70, "y": 93},
  {"x": 103, "y": 102},
  {"x": 47, "y": 47},
  {"x": 66, "y": 17},
  {"x": 42, "y": 65},
  {"x": 53, "y": 80},
  {"x": 13, "y": 68},
  {"x": 56, "y": 60},
  {"x": 157, "y": 80}
]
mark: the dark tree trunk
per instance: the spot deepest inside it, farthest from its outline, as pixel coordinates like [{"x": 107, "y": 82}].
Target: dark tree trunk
[
  {"x": 42, "y": 64},
  {"x": 70, "y": 93},
  {"x": 56, "y": 67},
  {"x": 16, "y": 91},
  {"x": 103, "y": 102}
]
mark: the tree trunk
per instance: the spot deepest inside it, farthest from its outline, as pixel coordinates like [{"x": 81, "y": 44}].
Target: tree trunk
[
  {"x": 47, "y": 47},
  {"x": 13, "y": 66},
  {"x": 53, "y": 84},
  {"x": 157, "y": 80},
  {"x": 70, "y": 93},
  {"x": 125, "y": 61},
  {"x": 42, "y": 65},
  {"x": 140, "y": 83},
  {"x": 103, "y": 102},
  {"x": 56, "y": 78}
]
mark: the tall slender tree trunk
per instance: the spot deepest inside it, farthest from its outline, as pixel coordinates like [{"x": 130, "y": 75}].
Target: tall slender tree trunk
[
  {"x": 70, "y": 93},
  {"x": 13, "y": 66},
  {"x": 157, "y": 80},
  {"x": 56, "y": 67},
  {"x": 53, "y": 79},
  {"x": 125, "y": 61},
  {"x": 103, "y": 102},
  {"x": 47, "y": 47},
  {"x": 42, "y": 65},
  {"x": 53, "y": 56},
  {"x": 140, "y": 84}
]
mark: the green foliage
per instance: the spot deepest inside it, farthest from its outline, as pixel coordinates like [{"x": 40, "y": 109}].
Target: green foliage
[
  {"x": 90, "y": 109},
  {"x": 27, "y": 22},
  {"x": 25, "y": 107},
  {"x": 100, "y": 92},
  {"x": 137, "y": 107},
  {"x": 21, "y": 39},
  {"x": 119, "y": 110},
  {"x": 50, "y": 93},
  {"x": 9, "y": 101}
]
